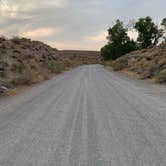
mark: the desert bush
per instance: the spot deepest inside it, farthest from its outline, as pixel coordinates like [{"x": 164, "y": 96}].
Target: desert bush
[
  {"x": 26, "y": 78},
  {"x": 2, "y": 39},
  {"x": 21, "y": 80},
  {"x": 3, "y": 68},
  {"x": 161, "y": 76},
  {"x": 25, "y": 74},
  {"x": 16, "y": 51},
  {"x": 18, "y": 68},
  {"x": 3, "y": 46},
  {"x": 119, "y": 64},
  {"x": 16, "y": 40},
  {"x": 54, "y": 66}
]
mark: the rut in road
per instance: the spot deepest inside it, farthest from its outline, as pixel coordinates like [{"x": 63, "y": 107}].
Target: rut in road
[{"x": 85, "y": 117}]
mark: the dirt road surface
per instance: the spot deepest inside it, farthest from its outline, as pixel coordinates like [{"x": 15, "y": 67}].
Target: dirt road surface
[{"x": 85, "y": 117}]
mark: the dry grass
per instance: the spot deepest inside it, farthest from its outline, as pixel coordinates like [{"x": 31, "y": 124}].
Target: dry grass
[{"x": 147, "y": 63}]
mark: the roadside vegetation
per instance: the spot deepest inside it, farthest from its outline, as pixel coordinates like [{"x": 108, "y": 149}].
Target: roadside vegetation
[
  {"x": 25, "y": 62},
  {"x": 144, "y": 56}
]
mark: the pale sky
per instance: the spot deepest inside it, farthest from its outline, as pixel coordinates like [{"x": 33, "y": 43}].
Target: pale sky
[{"x": 72, "y": 24}]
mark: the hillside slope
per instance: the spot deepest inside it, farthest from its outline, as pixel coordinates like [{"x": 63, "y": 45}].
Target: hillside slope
[
  {"x": 25, "y": 62},
  {"x": 145, "y": 64}
]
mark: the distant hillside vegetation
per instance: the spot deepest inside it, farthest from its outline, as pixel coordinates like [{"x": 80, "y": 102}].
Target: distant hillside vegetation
[
  {"x": 83, "y": 56},
  {"x": 145, "y": 64},
  {"x": 83, "y": 53},
  {"x": 25, "y": 62}
]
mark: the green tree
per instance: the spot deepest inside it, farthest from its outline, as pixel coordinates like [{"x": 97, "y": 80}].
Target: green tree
[
  {"x": 149, "y": 33},
  {"x": 117, "y": 34},
  {"x": 158, "y": 33},
  {"x": 127, "y": 47},
  {"x": 107, "y": 52},
  {"x": 119, "y": 42},
  {"x": 163, "y": 23}
]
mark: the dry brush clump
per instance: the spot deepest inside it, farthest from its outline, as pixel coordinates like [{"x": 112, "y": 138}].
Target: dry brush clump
[{"x": 161, "y": 76}]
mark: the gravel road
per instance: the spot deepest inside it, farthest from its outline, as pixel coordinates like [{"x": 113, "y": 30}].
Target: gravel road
[{"x": 85, "y": 117}]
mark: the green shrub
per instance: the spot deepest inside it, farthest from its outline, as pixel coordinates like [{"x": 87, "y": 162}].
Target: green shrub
[{"x": 107, "y": 52}]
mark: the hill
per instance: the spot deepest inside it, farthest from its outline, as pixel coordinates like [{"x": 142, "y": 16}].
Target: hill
[
  {"x": 25, "y": 62},
  {"x": 144, "y": 64}
]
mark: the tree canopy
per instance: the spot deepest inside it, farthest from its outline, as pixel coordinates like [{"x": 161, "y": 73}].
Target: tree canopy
[
  {"x": 149, "y": 33},
  {"x": 117, "y": 34},
  {"x": 164, "y": 22},
  {"x": 119, "y": 43}
]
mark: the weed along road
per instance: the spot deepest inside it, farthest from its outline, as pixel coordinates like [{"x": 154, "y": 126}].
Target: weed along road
[{"x": 85, "y": 117}]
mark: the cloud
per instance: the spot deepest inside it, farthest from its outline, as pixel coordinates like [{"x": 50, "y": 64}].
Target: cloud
[
  {"x": 75, "y": 45},
  {"x": 40, "y": 32},
  {"x": 100, "y": 37},
  {"x": 68, "y": 45},
  {"x": 57, "y": 3},
  {"x": 2, "y": 21},
  {"x": 94, "y": 42},
  {"x": 59, "y": 45},
  {"x": 21, "y": 8},
  {"x": 82, "y": 24}
]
